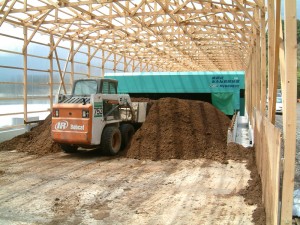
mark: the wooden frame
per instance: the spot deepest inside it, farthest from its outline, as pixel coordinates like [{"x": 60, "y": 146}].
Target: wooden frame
[{"x": 176, "y": 35}]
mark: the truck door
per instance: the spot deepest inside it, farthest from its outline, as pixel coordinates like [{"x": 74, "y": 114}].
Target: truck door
[{"x": 110, "y": 108}]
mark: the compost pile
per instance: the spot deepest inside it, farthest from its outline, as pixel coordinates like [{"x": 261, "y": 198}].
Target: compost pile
[
  {"x": 37, "y": 141},
  {"x": 181, "y": 129},
  {"x": 188, "y": 129}
]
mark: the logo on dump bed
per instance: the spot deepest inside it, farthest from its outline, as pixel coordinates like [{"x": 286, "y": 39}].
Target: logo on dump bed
[{"x": 62, "y": 125}]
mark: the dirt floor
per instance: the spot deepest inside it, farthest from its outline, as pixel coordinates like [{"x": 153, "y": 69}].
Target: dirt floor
[{"x": 178, "y": 170}]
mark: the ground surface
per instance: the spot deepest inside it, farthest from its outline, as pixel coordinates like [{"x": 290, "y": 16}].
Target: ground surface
[
  {"x": 177, "y": 170},
  {"x": 90, "y": 189}
]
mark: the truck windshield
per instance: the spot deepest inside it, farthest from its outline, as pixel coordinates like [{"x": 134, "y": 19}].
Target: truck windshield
[{"x": 85, "y": 87}]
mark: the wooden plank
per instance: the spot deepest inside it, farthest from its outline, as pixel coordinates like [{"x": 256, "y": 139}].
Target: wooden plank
[
  {"x": 41, "y": 20},
  {"x": 51, "y": 73},
  {"x": 7, "y": 12},
  {"x": 282, "y": 74},
  {"x": 89, "y": 62},
  {"x": 59, "y": 69},
  {"x": 275, "y": 64},
  {"x": 258, "y": 61},
  {"x": 263, "y": 64},
  {"x": 72, "y": 63},
  {"x": 25, "y": 74},
  {"x": 267, "y": 147},
  {"x": 289, "y": 101},
  {"x": 271, "y": 32},
  {"x": 103, "y": 63}
]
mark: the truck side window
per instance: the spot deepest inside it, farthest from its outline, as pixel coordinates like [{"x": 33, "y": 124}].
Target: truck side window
[
  {"x": 112, "y": 88},
  {"x": 105, "y": 87},
  {"x": 109, "y": 87}
]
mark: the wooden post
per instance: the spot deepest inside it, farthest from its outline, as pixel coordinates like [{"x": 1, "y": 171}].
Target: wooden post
[
  {"x": 51, "y": 72},
  {"x": 282, "y": 74},
  {"x": 89, "y": 61},
  {"x": 115, "y": 62},
  {"x": 125, "y": 64},
  {"x": 103, "y": 63},
  {"x": 263, "y": 63},
  {"x": 275, "y": 64},
  {"x": 25, "y": 74},
  {"x": 72, "y": 63},
  {"x": 258, "y": 61},
  {"x": 271, "y": 42},
  {"x": 289, "y": 101}
]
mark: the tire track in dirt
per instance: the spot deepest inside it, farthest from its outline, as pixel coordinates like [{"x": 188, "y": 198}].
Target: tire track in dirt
[{"x": 44, "y": 182}]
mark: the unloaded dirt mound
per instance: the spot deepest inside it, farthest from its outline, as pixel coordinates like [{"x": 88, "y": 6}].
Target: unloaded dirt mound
[
  {"x": 37, "y": 141},
  {"x": 181, "y": 129}
]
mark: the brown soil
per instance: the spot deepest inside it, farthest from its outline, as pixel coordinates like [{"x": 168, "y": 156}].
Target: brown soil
[
  {"x": 37, "y": 141},
  {"x": 181, "y": 129},
  {"x": 187, "y": 129}
]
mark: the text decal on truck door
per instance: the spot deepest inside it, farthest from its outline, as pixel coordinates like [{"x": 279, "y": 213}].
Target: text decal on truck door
[{"x": 98, "y": 109}]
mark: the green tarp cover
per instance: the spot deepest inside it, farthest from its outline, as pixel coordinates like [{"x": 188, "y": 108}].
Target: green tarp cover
[
  {"x": 229, "y": 83},
  {"x": 224, "y": 102}
]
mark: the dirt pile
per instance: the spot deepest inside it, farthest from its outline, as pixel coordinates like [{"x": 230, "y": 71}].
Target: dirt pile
[
  {"x": 181, "y": 129},
  {"x": 188, "y": 129},
  {"x": 37, "y": 141}
]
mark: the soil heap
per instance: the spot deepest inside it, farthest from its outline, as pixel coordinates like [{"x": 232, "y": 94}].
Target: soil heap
[
  {"x": 188, "y": 129},
  {"x": 181, "y": 129},
  {"x": 37, "y": 141}
]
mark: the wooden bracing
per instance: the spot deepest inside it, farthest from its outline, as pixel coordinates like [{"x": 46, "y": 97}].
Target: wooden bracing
[
  {"x": 173, "y": 35},
  {"x": 177, "y": 35}
]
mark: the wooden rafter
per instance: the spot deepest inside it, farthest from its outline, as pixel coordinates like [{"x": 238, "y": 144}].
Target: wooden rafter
[{"x": 174, "y": 31}]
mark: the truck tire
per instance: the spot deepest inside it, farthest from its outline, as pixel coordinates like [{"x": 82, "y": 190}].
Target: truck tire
[
  {"x": 127, "y": 131},
  {"x": 111, "y": 140},
  {"x": 68, "y": 148}
]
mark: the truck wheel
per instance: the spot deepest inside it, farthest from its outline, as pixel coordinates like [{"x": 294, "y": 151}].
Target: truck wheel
[
  {"x": 111, "y": 140},
  {"x": 127, "y": 131},
  {"x": 68, "y": 148}
]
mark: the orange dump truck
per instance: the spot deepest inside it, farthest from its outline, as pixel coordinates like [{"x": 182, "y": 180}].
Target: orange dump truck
[{"x": 95, "y": 115}]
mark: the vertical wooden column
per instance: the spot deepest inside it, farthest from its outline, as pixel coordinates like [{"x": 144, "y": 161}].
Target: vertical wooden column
[
  {"x": 263, "y": 62},
  {"x": 252, "y": 83},
  {"x": 72, "y": 63},
  {"x": 115, "y": 62},
  {"x": 252, "y": 89},
  {"x": 248, "y": 88},
  {"x": 289, "y": 101},
  {"x": 275, "y": 63},
  {"x": 125, "y": 64},
  {"x": 25, "y": 73},
  {"x": 258, "y": 62},
  {"x": 133, "y": 66},
  {"x": 271, "y": 34},
  {"x": 89, "y": 61},
  {"x": 51, "y": 72},
  {"x": 103, "y": 63},
  {"x": 282, "y": 74}
]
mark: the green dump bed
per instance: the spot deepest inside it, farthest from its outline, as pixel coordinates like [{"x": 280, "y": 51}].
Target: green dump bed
[{"x": 226, "y": 88}]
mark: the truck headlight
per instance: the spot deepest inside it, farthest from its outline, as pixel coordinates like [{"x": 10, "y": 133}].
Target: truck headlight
[
  {"x": 85, "y": 113},
  {"x": 55, "y": 113}
]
